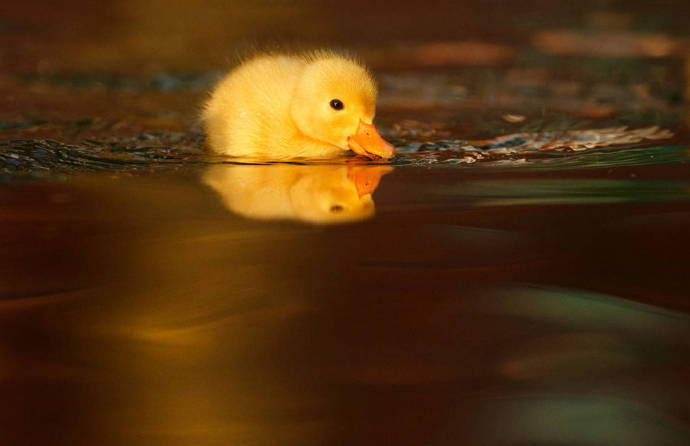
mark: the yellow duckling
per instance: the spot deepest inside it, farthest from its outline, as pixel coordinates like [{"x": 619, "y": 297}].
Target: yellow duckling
[
  {"x": 314, "y": 193},
  {"x": 282, "y": 106}
]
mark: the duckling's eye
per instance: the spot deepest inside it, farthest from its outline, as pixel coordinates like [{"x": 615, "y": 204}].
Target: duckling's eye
[
  {"x": 337, "y": 104},
  {"x": 336, "y": 208}
]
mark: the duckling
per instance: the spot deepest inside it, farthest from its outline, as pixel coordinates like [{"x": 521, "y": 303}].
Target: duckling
[
  {"x": 315, "y": 193},
  {"x": 281, "y": 106}
]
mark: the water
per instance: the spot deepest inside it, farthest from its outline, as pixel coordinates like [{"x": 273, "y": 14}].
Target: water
[{"x": 516, "y": 275}]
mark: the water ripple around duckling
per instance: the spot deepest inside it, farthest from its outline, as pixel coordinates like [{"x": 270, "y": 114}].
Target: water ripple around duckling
[{"x": 606, "y": 147}]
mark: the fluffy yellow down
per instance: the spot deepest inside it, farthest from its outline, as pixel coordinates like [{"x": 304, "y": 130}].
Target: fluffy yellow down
[{"x": 279, "y": 106}]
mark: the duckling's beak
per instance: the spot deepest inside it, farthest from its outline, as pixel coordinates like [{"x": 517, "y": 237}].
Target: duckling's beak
[{"x": 368, "y": 142}]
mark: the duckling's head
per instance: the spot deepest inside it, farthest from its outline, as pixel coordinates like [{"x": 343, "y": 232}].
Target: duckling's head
[{"x": 335, "y": 102}]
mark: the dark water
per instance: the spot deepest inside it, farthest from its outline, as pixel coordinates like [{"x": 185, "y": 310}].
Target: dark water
[
  {"x": 496, "y": 306},
  {"x": 517, "y": 275}
]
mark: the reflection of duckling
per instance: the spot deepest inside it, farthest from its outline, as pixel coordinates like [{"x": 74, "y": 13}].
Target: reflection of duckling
[
  {"x": 317, "y": 194},
  {"x": 284, "y": 106}
]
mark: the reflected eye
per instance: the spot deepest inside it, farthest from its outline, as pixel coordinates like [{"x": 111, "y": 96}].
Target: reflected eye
[
  {"x": 337, "y": 104},
  {"x": 336, "y": 208}
]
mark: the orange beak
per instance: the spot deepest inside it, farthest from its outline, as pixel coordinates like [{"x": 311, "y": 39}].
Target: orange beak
[{"x": 369, "y": 143}]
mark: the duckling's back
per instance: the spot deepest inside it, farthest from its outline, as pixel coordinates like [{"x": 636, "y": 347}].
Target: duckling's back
[{"x": 249, "y": 109}]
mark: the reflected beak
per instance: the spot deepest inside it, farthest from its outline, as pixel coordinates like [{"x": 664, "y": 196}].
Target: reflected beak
[
  {"x": 369, "y": 143},
  {"x": 367, "y": 178}
]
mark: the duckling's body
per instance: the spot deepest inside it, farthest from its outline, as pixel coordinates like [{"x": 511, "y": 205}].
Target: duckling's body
[
  {"x": 280, "y": 107},
  {"x": 249, "y": 113}
]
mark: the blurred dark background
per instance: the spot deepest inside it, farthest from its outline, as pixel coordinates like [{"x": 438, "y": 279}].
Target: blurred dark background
[
  {"x": 131, "y": 36},
  {"x": 75, "y": 69}
]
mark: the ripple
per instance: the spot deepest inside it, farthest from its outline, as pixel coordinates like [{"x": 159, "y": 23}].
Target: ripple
[{"x": 624, "y": 146}]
